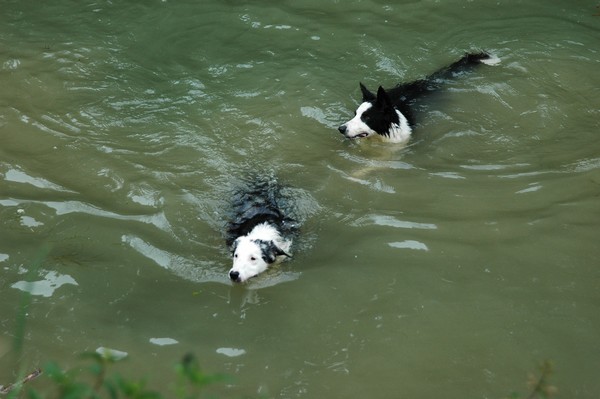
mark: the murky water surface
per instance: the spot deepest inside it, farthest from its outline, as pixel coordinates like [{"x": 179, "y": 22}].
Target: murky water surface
[{"x": 449, "y": 268}]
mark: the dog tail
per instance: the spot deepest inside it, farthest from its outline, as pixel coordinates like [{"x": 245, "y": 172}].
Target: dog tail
[
  {"x": 466, "y": 63},
  {"x": 490, "y": 59}
]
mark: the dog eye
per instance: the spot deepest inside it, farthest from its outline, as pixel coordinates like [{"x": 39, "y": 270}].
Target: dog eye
[
  {"x": 252, "y": 258},
  {"x": 235, "y": 256}
]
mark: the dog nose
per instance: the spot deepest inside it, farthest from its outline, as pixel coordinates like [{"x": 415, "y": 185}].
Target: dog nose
[
  {"x": 342, "y": 129},
  {"x": 234, "y": 276}
]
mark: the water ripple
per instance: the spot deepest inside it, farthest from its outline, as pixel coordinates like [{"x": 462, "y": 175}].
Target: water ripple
[
  {"x": 157, "y": 220},
  {"x": 19, "y": 176},
  {"x": 390, "y": 221}
]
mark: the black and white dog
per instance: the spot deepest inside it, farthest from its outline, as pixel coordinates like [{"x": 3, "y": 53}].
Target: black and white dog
[
  {"x": 388, "y": 113},
  {"x": 259, "y": 234}
]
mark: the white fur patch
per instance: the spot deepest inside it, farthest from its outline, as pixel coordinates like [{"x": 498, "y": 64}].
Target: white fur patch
[
  {"x": 493, "y": 60},
  {"x": 248, "y": 256},
  {"x": 400, "y": 133},
  {"x": 355, "y": 127}
]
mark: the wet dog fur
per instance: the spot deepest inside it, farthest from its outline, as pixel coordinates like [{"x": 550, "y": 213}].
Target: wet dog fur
[
  {"x": 259, "y": 234},
  {"x": 388, "y": 114}
]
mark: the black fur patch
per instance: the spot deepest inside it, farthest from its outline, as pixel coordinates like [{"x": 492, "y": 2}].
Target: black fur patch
[
  {"x": 403, "y": 96},
  {"x": 270, "y": 251},
  {"x": 382, "y": 114},
  {"x": 255, "y": 204}
]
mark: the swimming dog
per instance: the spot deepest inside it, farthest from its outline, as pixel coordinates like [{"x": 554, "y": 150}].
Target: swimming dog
[
  {"x": 388, "y": 113},
  {"x": 259, "y": 234}
]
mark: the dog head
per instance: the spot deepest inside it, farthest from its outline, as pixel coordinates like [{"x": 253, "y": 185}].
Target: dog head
[
  {"x": 376, "y": 115},
  {"x": 252, "y": 257}
]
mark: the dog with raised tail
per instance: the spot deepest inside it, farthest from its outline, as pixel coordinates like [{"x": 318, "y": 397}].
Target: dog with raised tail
[
  {"x": 259, "y": 234},
  {"x": 388, "y": 113}
]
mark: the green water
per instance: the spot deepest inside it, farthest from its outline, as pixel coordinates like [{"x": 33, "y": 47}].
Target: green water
[{"x": 450, "y": 268}]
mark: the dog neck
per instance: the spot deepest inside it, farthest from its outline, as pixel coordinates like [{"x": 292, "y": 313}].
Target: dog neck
[{"x": 399, "y": 132}]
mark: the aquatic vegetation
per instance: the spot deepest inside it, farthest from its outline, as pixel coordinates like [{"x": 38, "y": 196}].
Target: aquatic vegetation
[
  {"x": 538, "y": 386},
  {"x": 94, "y": 381}
]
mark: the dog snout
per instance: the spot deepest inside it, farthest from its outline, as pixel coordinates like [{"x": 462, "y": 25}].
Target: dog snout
[
  {"x": 234, "y": 276},
  {"x": 342, "y": 129}
]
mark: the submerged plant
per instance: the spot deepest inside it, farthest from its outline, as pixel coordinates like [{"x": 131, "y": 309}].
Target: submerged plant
[
  {"x": 94, "y": 381},
  {"x": 4, "y": 389},
  {"x": 191, "y": 380},
  {"x": 538, "y": 386}
]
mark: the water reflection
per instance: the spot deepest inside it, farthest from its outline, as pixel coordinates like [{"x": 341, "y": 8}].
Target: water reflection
[
  {"x": 163, "y": 341},
  {"x": 386, "y": 220},
  {"x": 409, "y": 244},
  {"x": 45, "y": 287},
  {"x": 18, "y": 176}
]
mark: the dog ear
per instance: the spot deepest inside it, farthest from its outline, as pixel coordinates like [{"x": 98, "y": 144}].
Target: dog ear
[
  {"x": 234, "y": 246},
  {"x": 382, "y": 98},
  {"x": 367, "y": 95},
  {"x": 270, "y": 251},
  {"x": 279, "y": 252}
]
